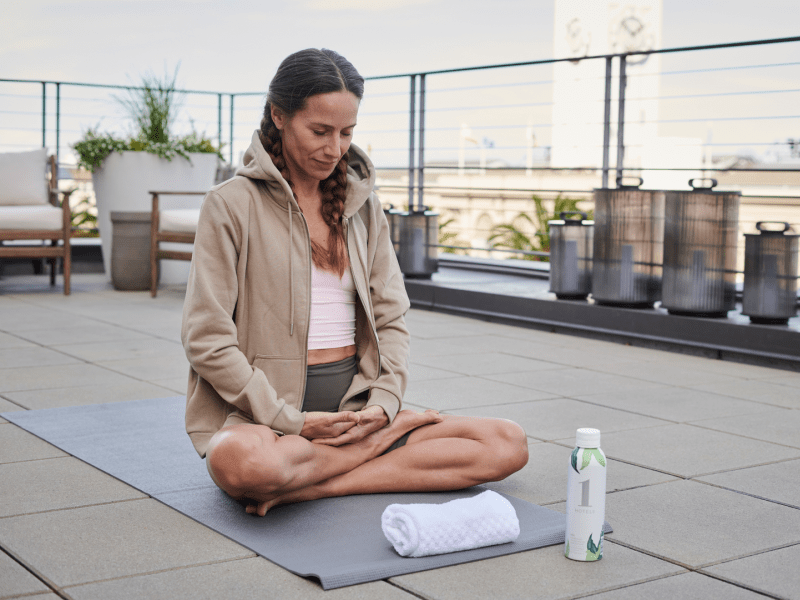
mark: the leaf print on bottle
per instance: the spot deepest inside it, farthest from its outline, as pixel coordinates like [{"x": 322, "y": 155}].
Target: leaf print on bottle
[
  {"x": 575, "y": 460},
  {"x": 566, "y": 553},
  {"x": 594, "y": 552},
  {"x": 588, "y": 453}
]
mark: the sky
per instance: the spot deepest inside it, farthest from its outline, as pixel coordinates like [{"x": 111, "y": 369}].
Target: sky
[{"x": 236, "y": 46}]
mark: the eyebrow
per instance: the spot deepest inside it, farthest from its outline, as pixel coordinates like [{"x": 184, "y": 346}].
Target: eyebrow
[{"x": 326, "y": 126}]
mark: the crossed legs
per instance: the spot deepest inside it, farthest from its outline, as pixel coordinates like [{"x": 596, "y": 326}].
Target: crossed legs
[{"x": 443, "y": 452}]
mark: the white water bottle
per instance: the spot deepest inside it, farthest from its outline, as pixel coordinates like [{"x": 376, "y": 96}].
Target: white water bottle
[{"x": 586, "y": 498}]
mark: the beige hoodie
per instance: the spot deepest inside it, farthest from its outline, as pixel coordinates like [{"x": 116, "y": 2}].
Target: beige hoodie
[{"x": 248, "y": 301}]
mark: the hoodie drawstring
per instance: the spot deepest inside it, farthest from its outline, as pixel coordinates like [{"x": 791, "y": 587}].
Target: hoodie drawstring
[{"x": 291, "y": 274}]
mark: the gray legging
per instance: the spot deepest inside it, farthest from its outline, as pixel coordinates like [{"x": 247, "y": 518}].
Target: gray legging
[{"x": 327, "y": 383}]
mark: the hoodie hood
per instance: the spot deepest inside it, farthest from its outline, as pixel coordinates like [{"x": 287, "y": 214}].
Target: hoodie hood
[{"x": 258, "y": 165}]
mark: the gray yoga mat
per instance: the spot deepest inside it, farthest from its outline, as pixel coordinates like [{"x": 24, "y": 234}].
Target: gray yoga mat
[{"x": 337, "y": 540}]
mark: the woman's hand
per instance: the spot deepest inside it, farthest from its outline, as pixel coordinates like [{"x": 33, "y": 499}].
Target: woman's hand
[
  {"x": 370, "y": 420},
  {"x": 328, "y": 425}
]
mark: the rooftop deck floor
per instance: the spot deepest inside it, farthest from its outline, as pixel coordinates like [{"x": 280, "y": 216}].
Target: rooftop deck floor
[{"x": 703, "y": 455}]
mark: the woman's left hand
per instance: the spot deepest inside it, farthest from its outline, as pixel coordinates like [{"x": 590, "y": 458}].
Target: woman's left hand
[{"x": 370, "y": 420}]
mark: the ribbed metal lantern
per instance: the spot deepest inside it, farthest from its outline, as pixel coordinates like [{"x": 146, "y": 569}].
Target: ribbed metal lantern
[
  {"x": 700, "y": 233},
  {"x": 571, "y": 256},
  {"x": 393, "y": 217},
  {"x": 418, "y": 252},
  {"x": 770, "y": 274},
  {"x": 628, "y": 246}
]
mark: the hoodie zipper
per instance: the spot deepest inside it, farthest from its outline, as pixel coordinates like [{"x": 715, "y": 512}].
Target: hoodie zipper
[{"x": 367, "y": 307}]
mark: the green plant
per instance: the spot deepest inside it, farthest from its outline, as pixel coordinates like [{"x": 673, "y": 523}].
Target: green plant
[
  {"x": 152, "y": 108},
  {"x": 513, "y": 237},
  {"x": 84, "y": 219},
  {"x": 449, "y": 238}
]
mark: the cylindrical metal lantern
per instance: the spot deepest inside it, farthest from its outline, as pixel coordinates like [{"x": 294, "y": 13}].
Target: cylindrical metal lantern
[
  {"x": 628, "y": 245},
  {"x": 571, "y": 256},
  {"x": 700, "y": 233},
  {"x": 393, "y": 217},
  {"x": 770, "y": 274},
  {"x": 419, "y": 243}
]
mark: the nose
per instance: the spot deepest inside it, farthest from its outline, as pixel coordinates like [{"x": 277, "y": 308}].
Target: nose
[{"x": 333, "y": 147}]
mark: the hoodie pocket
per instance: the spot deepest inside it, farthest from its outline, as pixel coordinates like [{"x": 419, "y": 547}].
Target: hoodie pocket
[{"x": 284, "y": 375}]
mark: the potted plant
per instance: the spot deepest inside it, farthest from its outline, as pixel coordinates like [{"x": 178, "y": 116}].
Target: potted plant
[{"x": 125, "y": 168}]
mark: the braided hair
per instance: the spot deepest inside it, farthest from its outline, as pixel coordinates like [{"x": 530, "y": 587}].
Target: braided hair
[{"x": 300, "y": 76}]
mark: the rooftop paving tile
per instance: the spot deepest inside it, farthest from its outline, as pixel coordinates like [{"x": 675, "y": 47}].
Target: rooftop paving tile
[
  {"x": 541, "y": 574},
  {"x": 686, "y": 585},
  {"x": 161, "y": 366},
  {"x": 767, "y": 392},
  {"x": 463, "y": 392},
  {"x": 71, "y": 375},
  {"x": 666, "y": 372},
  {"x": 774, "y": 573},
  {"x": 8, "y": 340},
  {"x": 558, "y": 418},
  {"x": 112, "y": 540},
  {"x": 675, "y": 404},
  {"x": 15, "y": 580},
  {"x": 689, "y": 451},
  {"x": 79, "y": 334},
  {"x": 571, "y": 381},
  {"x": 696, "y": 524},
  {"x": 245, "y": 578},
  {"x": 479, "y": 362},
  {"x": 777, "y": 482},
  {"x": 56, "y": 483},
  {"x": 543, "y": 480},
  {"x": 18, "y": 445},
  {"x": 6, "y": 406},
  {"x": 14, "y": 358},
  {"x": 126, "y": 389},
  {"x": 779, "y": 426}
]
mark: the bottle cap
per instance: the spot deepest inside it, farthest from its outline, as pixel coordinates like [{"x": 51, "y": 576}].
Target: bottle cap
[{"x": 587, "y": 438}]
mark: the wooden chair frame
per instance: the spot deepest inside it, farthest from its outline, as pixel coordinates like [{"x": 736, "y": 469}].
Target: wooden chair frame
[
  {"x": 54, "y": 251},
  {"x": 156, "y": 237}
]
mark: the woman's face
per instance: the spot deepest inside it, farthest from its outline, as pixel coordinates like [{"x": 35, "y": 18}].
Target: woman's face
[{"x": 316, "y": 137}]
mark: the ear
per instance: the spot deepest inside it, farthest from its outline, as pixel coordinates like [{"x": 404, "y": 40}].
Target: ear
[{"x": 278, "y": 117}]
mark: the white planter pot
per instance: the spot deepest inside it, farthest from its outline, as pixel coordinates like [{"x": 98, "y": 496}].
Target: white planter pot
[{"x": 124, "y": 181}]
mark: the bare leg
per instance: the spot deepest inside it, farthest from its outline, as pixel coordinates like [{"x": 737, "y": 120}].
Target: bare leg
[
  {"x": 458, "y": 452},
  {"x": 251, "y": 461}
]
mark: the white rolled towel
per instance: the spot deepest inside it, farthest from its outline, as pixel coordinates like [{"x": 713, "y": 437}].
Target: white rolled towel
[{"x": 424, "y": 529}]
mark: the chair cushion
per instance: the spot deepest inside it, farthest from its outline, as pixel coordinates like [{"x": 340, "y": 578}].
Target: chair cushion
[
  {"x": 183, "y": 220},
  {"x": 46, "y": 216},
  {"x": 22, "y": 178}
]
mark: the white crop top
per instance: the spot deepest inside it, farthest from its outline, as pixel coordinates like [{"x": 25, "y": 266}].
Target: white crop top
[{"x": 333, "y": 310}]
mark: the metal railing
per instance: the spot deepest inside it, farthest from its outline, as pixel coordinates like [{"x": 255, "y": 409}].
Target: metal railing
[{"x": 415, "y": 124}]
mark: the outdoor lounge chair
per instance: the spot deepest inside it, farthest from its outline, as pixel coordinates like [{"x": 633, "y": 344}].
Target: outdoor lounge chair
[
  {"x": 177, "y": 225},
  {"x": 30, "y": 211}
]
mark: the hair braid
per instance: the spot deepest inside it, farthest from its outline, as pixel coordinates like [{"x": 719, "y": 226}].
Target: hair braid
[
  {"x": 300, "y": 76},
  {"x": 334, "y": 193}
]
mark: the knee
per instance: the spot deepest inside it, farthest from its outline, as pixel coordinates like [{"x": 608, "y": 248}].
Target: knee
[
  {"x": 239, "y": 462},
  {"x": 511, "y": 448}
]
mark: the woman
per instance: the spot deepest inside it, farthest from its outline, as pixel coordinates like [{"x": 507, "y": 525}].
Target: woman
[{"x": 294, "y": 320}]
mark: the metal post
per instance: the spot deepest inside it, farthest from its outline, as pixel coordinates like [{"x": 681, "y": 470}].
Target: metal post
[
  {"x": 44, "y": 114},
  {"x": 411, "y": 127},
  {"x": 621, "y": 118},
  {"x": 421, "y": 181},
  {"x": 58, "y": 120},
  {"x": 231, "y": 153},
  {"x": 219, "y": 120},
  {"x": 607, "y": 123}
]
